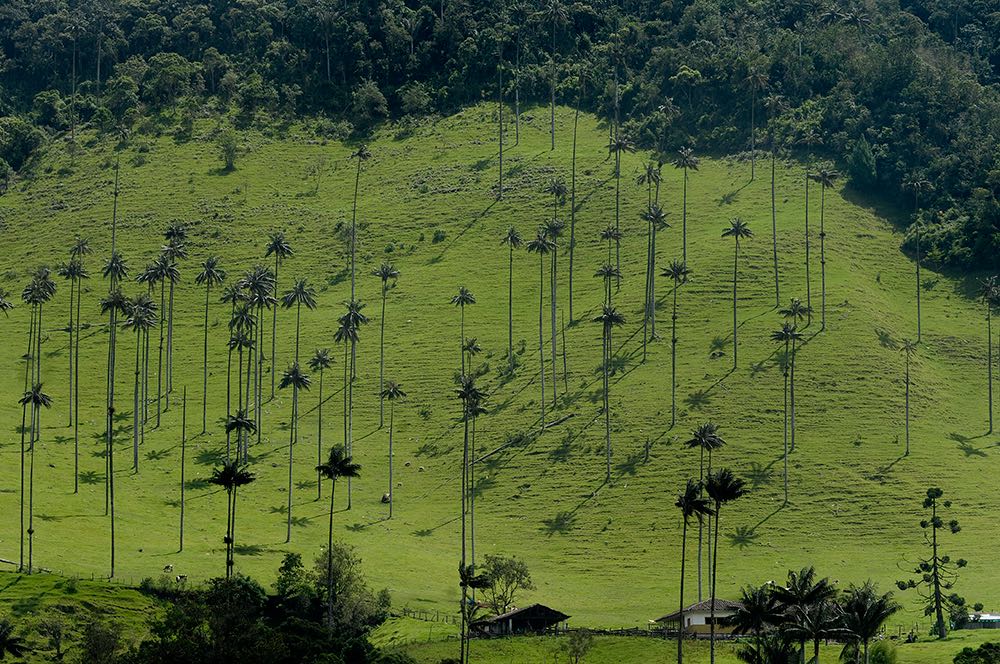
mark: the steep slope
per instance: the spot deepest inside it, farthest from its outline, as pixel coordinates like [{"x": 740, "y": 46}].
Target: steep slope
[{"x": 605, "y": 553}]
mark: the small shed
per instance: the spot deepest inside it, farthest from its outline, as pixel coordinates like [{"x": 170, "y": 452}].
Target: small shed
[
  {"x": 698, "y": 617},
  {"x": 534, "y": 619}
]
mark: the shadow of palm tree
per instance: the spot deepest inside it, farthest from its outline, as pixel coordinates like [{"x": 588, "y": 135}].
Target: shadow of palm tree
[
  {"x": 561, "y": 523},
  {"x": 742, "y": 537}
]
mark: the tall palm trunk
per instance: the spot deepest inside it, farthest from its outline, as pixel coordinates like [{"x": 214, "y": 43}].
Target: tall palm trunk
[
  {"x": 111, "y": 426},
  {"x": 24, "y": 449},
  {"x": 183, "y": 461},
  {"x": 736, "y": 258},
  {"x": 808, "y": 280},
  {"x": 774, "y": 234},
  {"x": 350, "y": 414},
  {"x": 785, "y": 455},
  {"x": 792, "y": 395},
  {"x": 715, "y": 565},
  {"x": 274, "y": 325},
  {"x": 292, "y": 439},
  {"x": 329, "y": 560},
  {"x": 204, "y": 374},
  {"x": 170, "y": 345},
  {"x": 159, "y": 370},
  {"x": 69, "y": 402},
  {"x": 354, "y": 227},
  {"x": 517, "y": 87},
  {"x": 464, "y": 499},
  {"x": 918, "y": 282},
  {"x": 989, "y": 361},
  {"x": 500, "y": 111},
  {"x": 391, "y": 409},
  {"x": 552, "y": 309},
  {"x": 680, "y": 620},
  {"x": 135, "y": 402},
  {"x": 76, "y": 393},
  {"x": 701, "y": 526},
  {"x": 822, "y": 257},
  {"x": 684, "y": 219},
  {"x": 907, "y": 453},
  {"x": 607, "y": 406},
  {"x": 541, "y": 338},
  {"x": 381, "y": 362},
  {"x": 35, "y": 434},
  {"x": 618, "y": 188},
  {"x": 319, "y": 440},
  {"x": 510, "y": 307},
  {"x": 673, "y": 359}
]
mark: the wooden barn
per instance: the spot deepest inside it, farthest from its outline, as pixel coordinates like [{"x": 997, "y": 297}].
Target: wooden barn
[{"x": 534, "y": 619}]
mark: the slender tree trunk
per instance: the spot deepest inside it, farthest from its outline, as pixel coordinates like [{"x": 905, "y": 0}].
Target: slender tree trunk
[
  {"x": 76, "y": 393},
  {"x": 391, "y": 409},
  {"x": 618, "y": 188},
  {"x": 183, "y": 461},
  {"x": 204, "y": 375},
  {"x": 517, "y": 88},
  {"x": 381, "y": 361},
  {"x": 274, "y": 325},
  {"x": 329, "y": 559},
  {"x": 170, "y": 346},
  {"x": 715, "y": 566},
  {"x": 319, "y": 439},
  {"x": 907, "y": 404},
  {"x": 701, "y": 526},
  {"x": 736, "y": 258},
  {"x": 70, "y": 353},
  {"x": 792, "y": 395},
  {"x": 680, "y": 620},
  {"x": 111, "y": 440},
  {"x": 159, "y": 371},
  {"x": 35, "y": 435},
  {"x": 989, "y": 361},
  {"x": 541, "y": 338},
  {"x": 673, "y": 359},
  {"x": 822, "y": 257},
  {"x": 607, "y": 405},
  {"x": 465, "y": 471},
  {"x": 785, "y": 455},
  {"x": 552, "y": 87},
  {"x": 293, "y": 429},
  {"x": 500, "y": 110},
  {"x": 510, "y": 309},
  {"x": 918, "y": 282},
  {"x": 354, "y": 226},
  {"x": 572, "y": 198},
  {"x": 552, "y": 309},
  {"x": 808, "y": 280},
  {"x": 135, "y": 403},
  {"x": 774, "y": 234},
  {"x": 684, "y": 220},
  {"x": 24, "y": 427}
]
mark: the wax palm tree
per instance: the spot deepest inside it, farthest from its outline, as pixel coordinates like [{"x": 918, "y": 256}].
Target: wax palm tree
[
  {"x": 76, "y": 273},
  {"x": 794, "y": 314},
  {"x": 774, "y": 104},
  {"x": 392, "y": 392},
  {"x": 141, "y": 318},
  {"x": 756, "y": 80},
  {"x": 461, "y": 300},
  {"x": 30, "y": 297},
  {"x": 5, "y": 304},
  {"x": 470, "y": 396},
  {"x": 692, "y": 504},
  {"x": 555, "y": 14},
  {"x": 611, "y": 234},
  {"x": 44, "y": 288},
  {"x": 541, "y": 245},
  {"x": 802, "y": 592},
  {"x": 212, "y": 274},
  {"x": 386, "y": 272},
  {"x": 723, "y": 487},
  {"x": 572, "y": 187},
  {"x": 908, "y": 348},
  {"x": 164, "y": 271},
  {"x": 337, "y": 465},
  {"x": 113, "y": 305},
  {"x": 686, "y": 161},
  {"x": 299, "y": 295},
  {"x": 864, "y": 612},
  {"x": 512, "y": 238},
  {"x": 825, "y": 178},
  {"x": 362, "y": 154},
  {"x": 656, "y": 219},
  {"x": 679, "y": 273},
  {"x": 618, "y": 145},
  {"x": 553, "y": 229},
  {"x": 70, "y": 271},
  {"x": 352, "y": 321},
  {"x": 10, "y": 644},
  {"x": 232, "y": 295},
  {"x": 279, "y": 248},
  {"x": 173, "y": 251},
  {"x": 607, "y": 273},
  {"x": 319, "y": 363},
  {"x": 260, "y": 284},
  {"x": 609, "y": 319},
  {"x": 705, "y": 438},
  {"x": 989, "y": 293},
  {"x": 757, "y": 612},
  {"x": 36, "y": 399},
  {"x": 786, "y": 335},
  {"x": 738, "y": 230},
  {"x": 297, "y": 379},
  {"x": 815, "y": 622},
  {"x": 916, "y": 184},
  {"x": 231, "y": 476}
]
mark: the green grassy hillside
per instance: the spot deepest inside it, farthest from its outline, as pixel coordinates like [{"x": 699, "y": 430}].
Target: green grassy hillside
[{"x": 605, "y": 553}]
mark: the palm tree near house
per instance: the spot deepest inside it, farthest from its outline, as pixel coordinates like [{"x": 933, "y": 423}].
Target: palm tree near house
[
  {"x": 797, "y": 598},
  {"x": 723, "y": 487},
  {"x": 297, "y": 379},
  {"x": 553, "y": 229},
  {"x": 362, "y": 154},
  {"x": 794, "y": 314},
  {"x": 392, "y": 392},
  {"x": 825, "y": 177},
  {"x": 386, "y": 272},
  {"x": 908, "y": 348},
  {"x": 816, "y": 622},
  {"x": 231, "y": 476},
  {"x": 10, "y": 644},
  {"x": 656, "y": 219},
  {"x": 541, "y": 245},
  {"x": 141, "y": 318},
  {"x": 512, "y": 238},
  {"x": 686, "y": 161},
  {"x": 786, "y": 335},
  {"x": 173, "y": 251},
  {"x": 471, "y": 397},
  {"x": 618, "y": 145},
  {"x": 36, "y": 399},
  {"x": 989, "y": 294},
  {"x": 299, "y": 295},
  {"x": 705, "y": 438},
  {"x": 609, "y": 319},
  {"x": 279, "y": 248},
  {"x": 917, "y": 184},
  {"x": 693, "y": 505},
  {"x": 337, "y": 465},
  {"x": 212, "y": 274},
  {"x": 461, "y": 300},
  {"x": 864, "y": 612},
  {"x": 679, "y": 273},
  {"x": 738, "y": 230},
  {"x": 756, "y": 613},
  {"x": 319, "y": 363}
]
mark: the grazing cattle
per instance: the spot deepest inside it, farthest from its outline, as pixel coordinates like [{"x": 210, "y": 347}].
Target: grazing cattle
[
  {"x": 181, "y": 578},
  {"x": 167, "y": 569}
]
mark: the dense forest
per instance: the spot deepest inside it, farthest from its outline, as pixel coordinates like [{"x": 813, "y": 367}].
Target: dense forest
[{"x": 902, "y": 95}]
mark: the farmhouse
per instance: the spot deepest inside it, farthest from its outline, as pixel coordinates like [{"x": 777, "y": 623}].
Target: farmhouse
[
  {"x": 698, "y": 617},
  {"x": 534, "y": 619}
]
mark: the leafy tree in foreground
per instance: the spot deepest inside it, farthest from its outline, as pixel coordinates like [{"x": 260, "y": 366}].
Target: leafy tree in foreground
[
  {"x": 864, "y": 611},
  {"x": 802, "y": 593},
  {"x": 936, "y": 575},
  {"x": 508, "y": 576},
  {"x": 757, "y": 613}
]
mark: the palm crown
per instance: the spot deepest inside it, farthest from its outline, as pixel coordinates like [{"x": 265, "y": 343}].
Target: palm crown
[
  {"x": 301, "y": 293},
  {"x": 738, "y": 229},
  {"x": 293, "y": 376},
  {"x": 320, "y": 360},
  {"x": 678, "y": 271},
  {"x": 211, "y": 273},
  {"x": 393, "y": 391},
  {"x": 706, "y": 437},
  {"x": 685, "y": 159},
  {"x": 337, "y": 465},
  {"x": 278, "y": 247},
  {"x": 691, "y": 502},
  {"x": 463, "y": 298},
  {"x": 513, "y": 238}
]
